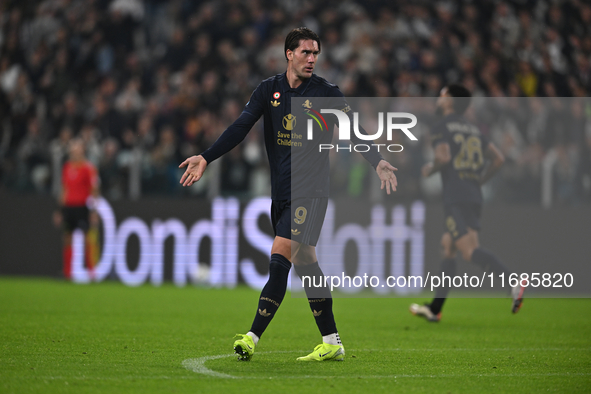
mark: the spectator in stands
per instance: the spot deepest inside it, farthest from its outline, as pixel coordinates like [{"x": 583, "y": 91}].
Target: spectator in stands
[{"x": 113, "y": 63}]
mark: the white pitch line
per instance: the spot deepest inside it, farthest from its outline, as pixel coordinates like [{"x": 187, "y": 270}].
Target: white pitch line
[
  {"x": 192, "y": 377},
  {"x": 197, "y": 365}
]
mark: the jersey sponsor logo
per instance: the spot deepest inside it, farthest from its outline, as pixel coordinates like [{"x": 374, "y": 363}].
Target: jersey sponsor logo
[
  {"x": 289, "y": 122},
  {"x": 275, "y": 103},
  {"x": 316, "y": 314},
  {"x": 289, "y": 139},
  {"x": 276, "y": 95}
]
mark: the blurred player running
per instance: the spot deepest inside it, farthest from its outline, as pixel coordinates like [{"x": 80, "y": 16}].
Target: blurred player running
[
  {"x": 305, "y": 204},
  {"x": 461, "y": 156},
  {"x": 79, "y": 182}
]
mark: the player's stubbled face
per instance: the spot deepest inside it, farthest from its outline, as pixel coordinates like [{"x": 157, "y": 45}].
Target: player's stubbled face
[{"x": 304, "y": 58}]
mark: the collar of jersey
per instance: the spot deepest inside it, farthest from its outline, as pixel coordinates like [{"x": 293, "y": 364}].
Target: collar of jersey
[{"x": 300, "y": 89}]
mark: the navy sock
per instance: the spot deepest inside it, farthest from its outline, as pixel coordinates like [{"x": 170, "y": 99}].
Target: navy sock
[
  {"x": 272, "y": 293},
  {"x": 448, "y": 268},
  {"x": 488, "y": 261},
  {"x": 319, "y": 297}
]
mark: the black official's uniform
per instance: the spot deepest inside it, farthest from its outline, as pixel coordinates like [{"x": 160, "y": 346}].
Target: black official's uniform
[
  {"x": 297, "y": 212},
  {"x": 462, "y": 196}
]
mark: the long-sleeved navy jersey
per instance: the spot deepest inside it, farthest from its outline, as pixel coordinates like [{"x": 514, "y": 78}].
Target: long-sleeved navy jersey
[
  {"x": 461, "y": 177},
  {"x": 310, "y": 168}
]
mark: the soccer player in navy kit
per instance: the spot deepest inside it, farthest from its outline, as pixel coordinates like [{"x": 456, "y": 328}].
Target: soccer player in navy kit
[
  {"x": 461, "y": 156},
  {"x": 272, "y": 99}
]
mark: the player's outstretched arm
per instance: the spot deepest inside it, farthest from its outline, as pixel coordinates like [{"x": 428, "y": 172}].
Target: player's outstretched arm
[
  {"x": 385, "y": 171},
  {"x": 195, "y": 169},
  {"x": 231, "y": 137}
]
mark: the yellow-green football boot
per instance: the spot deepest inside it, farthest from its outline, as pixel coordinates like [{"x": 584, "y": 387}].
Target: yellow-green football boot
[
  {"x": 244, "y": 347},
  {"x": 325, "y": 352}
]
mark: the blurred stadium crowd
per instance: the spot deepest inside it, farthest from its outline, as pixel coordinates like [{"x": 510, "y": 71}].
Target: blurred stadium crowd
[{"x": 149, "y": 83}]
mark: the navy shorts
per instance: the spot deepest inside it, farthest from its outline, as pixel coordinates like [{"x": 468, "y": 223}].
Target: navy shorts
[
  {"x": 461, "y": 216},
  {"x": 300, "y": 219},
  {"x": 75, "y": 217}
]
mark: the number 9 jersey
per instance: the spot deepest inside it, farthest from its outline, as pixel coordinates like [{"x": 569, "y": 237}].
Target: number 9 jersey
[{"x": 461, "y": 176}]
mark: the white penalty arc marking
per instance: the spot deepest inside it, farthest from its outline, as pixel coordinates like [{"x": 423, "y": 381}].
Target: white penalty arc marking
[{"x": 197, "y": 365}]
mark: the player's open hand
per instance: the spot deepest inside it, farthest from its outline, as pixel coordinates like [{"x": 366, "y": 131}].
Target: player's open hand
[
  {"x": 195, "y": 169},
  {"x": 385, "y": 171}
]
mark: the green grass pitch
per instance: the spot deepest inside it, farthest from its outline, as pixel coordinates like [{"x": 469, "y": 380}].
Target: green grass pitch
[{"x": 58, "y": 337}]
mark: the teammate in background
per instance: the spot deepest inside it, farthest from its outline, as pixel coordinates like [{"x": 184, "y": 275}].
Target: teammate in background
[
  {"x": 466, "y": 161},
  {"x": 293, "y": 243},
  {"x": 79, "y": 182}
]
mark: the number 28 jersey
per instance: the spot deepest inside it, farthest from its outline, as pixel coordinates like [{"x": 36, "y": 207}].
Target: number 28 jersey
[{"x": 461, "y": 177}]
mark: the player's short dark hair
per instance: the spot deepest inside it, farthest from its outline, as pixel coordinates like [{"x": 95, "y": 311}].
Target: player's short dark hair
[
  {"x": 292, "y": 41},
  {"x": 461, "y": 97}
]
